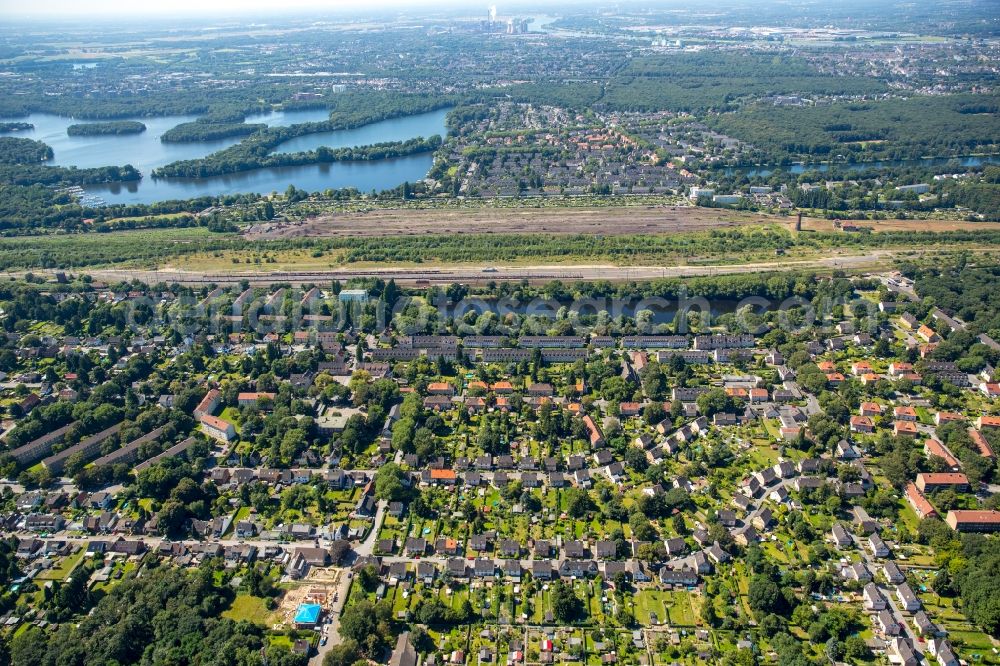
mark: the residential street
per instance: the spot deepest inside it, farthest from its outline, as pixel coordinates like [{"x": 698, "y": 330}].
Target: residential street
[
  {"x": 890, "y": 596},
  {"x": 337, "y": 607}
]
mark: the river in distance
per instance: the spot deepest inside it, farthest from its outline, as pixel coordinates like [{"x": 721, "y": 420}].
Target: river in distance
[
  {"x": 146, "y": 152},
  {"x": 857, "y": 167}
]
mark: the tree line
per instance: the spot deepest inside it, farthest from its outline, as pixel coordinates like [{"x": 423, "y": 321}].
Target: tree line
[
  {"x": 109, "y": 128},
  {"x": 164, "y": 616},
  {"x": 6, "y": 128},
  {"x": 17, "y": 151},
  {"x": 200, "y": 130},
  {"x": 243, "y": 157}
]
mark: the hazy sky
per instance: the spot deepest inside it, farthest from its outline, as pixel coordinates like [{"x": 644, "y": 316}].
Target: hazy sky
[{"x": 196, "y": 7}]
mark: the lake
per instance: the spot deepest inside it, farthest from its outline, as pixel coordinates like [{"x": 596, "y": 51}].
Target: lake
[
  {"x": 823, "y": 167},
  {"x": 365, "y": 176},
  {"x": 146, "y": 152},
  {"x": 399, "y": 129}
]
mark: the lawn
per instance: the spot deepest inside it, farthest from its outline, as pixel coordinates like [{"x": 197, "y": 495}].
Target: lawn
[
  {"x": 250, "y": 608},
  {"x": 241, "y": 514},
  {"x": 46, "y": 328},
  {"x": 908, "y": 516},
  {"x": 924, "y": 416},
  {"x": 775, "y": 551},
  {"x": 974, "y": 646},
  {"x": 650, "y": 601},
  {"x": 678, "y": 604},
  {"x": 231, "y": 414},
  {"x": 281, "y": 640},
  {"x": 971, "y": 644},
  {"x": 763, "y": 456},
  {"x": 65, "y": 566},
  {"x": 773, "y": 428}
]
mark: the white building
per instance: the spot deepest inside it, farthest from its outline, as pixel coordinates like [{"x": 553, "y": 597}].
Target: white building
[
  {"x": 353, "y": 296},
  {"x": 726, "y": 199}
]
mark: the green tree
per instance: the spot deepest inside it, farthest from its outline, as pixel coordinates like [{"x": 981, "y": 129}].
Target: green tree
[
  {"x": 345, "y": 653},
  {"x": 367, "y": 623},
  {"x": 763, "y": 595},
  {"x": 578, "y": 502},
  {"x": 390, "y": 483},
  {"x": 566, "y": 605},
  {"x": 855, "y": 648}
]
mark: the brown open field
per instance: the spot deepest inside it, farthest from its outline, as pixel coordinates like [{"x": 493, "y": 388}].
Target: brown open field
[
  {"x": 608, "y": 221},
  {"x": 597, "y": 220}
]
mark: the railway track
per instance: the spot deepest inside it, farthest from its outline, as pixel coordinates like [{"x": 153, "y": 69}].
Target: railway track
[
  {"x": 429, "y": 276},
  {"x": 298, "y": 277}
]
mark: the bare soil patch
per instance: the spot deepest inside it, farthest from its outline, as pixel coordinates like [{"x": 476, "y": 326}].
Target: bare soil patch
[{"x": 318, "y": 587}]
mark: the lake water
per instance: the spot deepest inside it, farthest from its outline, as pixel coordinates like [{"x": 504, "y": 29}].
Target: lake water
[
  {"x": 399, "y": 129},
  {"x": 823, "y": 167},
  {"x": 146, "y": 152},
  {"x": 365, "y": 176},
  {"x": 540, "y": 22},
  {"x": 286, "y": 118}
]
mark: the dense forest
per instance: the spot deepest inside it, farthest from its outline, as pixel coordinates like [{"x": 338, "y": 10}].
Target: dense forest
[
  {"x": 978, "y": 582},
  {"x": 856, "y": 131},
  {"x": 689, "y": 82},
  {"x": 702, "y": 81},
  {"x": 14, "y": 151},
  {"x": 110, "y": 128},
  {"x": 166, "y": 616},
  {"x": 28, "y": 199},
  {"x": 967, "y": 570},
  {"x": 982, "y": 195},
  {"x": 570, "y": 95},
  {"x": 7, "y": 128},
  {"x": 240, "y": 158},
  {"x": 863, "y": 193},
  {"x": 984, "y": 198},
  {"x": 969, "y": 292},
  {"x": 200, "y": 130},
  {"x": 35, "y": 208},
  {"x": 52, "y": 175},
  {"x": 150, "y": 103},
  {"x": 355, "y": 108}
]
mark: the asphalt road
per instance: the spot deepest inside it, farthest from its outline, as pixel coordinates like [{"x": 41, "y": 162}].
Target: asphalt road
[
  {"x": 333, "y": 629},
  {"x": 889, "y": 593}
]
